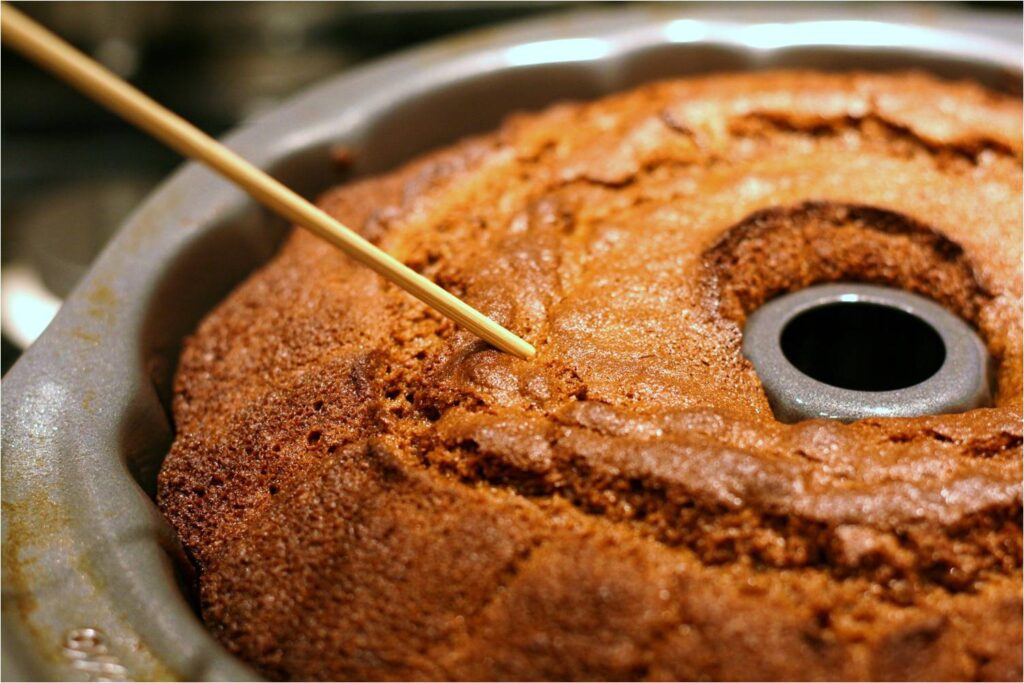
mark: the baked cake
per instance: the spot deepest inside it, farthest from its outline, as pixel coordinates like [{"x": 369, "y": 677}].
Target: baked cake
[{"x": 368, "y": 492}]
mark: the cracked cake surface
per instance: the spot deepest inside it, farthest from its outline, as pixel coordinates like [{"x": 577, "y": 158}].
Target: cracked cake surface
[{"x": 368, "y": 492}]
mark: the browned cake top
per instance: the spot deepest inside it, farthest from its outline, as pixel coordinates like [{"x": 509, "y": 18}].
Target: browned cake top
[{"x": 371, "y": 493}]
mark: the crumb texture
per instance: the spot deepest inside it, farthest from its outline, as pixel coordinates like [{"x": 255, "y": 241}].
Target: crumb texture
[{"x": 369, "y": 492}]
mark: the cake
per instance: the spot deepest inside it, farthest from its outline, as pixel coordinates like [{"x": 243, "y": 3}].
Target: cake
[{"x": 368, "y": 492}]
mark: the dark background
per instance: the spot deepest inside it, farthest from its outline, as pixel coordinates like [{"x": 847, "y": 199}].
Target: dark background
[{"x": 71, "y": 171}]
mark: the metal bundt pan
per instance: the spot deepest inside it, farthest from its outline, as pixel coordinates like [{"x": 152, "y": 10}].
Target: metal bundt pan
[{"x": 92, "y": 574}]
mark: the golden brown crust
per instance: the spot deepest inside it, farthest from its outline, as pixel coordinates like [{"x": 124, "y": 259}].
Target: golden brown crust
[{"x": 371, "y": 493}]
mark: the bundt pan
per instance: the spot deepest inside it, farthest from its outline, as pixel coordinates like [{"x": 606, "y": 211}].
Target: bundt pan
[{"x": 94, "y": 584}]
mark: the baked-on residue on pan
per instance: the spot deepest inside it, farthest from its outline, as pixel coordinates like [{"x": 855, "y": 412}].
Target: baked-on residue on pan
[{"x": 369, "y": 492}]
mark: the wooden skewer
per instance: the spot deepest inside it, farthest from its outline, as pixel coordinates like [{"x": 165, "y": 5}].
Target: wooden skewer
[{"x": 55, "y": 55}]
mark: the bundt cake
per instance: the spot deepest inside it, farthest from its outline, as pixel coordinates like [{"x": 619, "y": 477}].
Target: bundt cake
[{"x": 368, "y": 492}]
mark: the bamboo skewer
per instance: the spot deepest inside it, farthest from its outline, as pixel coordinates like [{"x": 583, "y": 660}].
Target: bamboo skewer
[{"x": 49, "y": 51}]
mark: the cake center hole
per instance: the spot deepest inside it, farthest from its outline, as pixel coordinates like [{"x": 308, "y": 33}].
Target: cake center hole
[{"x": 863, "y": 346}]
